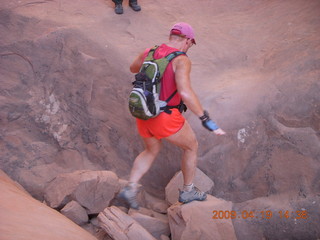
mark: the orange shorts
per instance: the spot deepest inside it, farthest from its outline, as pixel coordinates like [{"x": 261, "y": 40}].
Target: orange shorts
[{"x": 164, "y": 125}]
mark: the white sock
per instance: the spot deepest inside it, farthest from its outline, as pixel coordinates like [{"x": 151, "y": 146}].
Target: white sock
[
  {"x": 187, "y": 188},
  {"x": 133, "y": 186}
]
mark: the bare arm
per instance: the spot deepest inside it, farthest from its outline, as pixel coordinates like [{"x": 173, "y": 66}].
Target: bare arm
[
  {"x": 137, "y": 63},
  {"x": 182, "y": 68}
]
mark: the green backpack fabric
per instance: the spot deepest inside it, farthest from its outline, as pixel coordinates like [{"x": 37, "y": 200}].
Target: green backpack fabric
[{"x": 144, "y": 102}]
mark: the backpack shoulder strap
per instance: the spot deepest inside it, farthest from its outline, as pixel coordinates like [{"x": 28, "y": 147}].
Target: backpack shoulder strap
[
  {"x": 151, "y": 53},
  {"x": 168, "y": 59},
  {"x": 163, "y": 62},
  {"x": 174, "y": 54}
]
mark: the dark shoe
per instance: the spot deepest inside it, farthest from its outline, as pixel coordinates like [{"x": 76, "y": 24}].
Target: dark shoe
[
  {"x": 118, "y": 8},
  {"x": 194, "y": 194},
  {"x": 134, "y": 5},
  {"x": 130, "y": 196}
]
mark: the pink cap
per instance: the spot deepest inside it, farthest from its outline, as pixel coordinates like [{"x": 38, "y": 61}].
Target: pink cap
[{"x": 183, "y": 29}]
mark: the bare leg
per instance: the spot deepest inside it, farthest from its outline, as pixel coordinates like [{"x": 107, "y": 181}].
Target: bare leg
[
  {"x": 186, "y": 139},
  {"x": 144, "y": 160},
  {"x": 141, "y": 165}
]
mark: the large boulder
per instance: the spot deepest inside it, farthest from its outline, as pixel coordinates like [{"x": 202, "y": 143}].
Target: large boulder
[
  {"x": 201, "y": 180},
  {"x": 195, "y": 220},
  {"x": 23, "y": 217},
  {"x": 75, "y": 212},
  {"x": 149, "y": 201},
  {"x": 93, "y": 190},
  {"x": 155, "y": 223}
]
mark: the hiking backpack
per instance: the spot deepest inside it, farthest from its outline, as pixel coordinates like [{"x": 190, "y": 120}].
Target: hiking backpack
[{"x": 144, "y": 102}]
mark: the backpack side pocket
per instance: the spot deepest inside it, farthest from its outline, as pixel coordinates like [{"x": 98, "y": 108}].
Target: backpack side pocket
[{"x": 138, "y": 104}]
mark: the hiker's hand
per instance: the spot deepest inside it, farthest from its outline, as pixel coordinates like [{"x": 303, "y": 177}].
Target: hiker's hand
[
  {"x": 219, "y": 132},
  {"x": 209, "y": 124}
]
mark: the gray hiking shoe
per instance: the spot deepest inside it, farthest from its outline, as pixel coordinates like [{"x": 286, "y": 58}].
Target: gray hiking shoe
[
  {"x": 118, "y": 8},
  {"x": 194, "y": 195},
  {"x": 135, "y": 6},
  {"x": 130, "y": 196}
]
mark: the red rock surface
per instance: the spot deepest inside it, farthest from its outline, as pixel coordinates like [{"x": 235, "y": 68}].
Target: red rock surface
[
  {"x": 196, "y": 220},
  {"x": 23, "y": 217},
  {"x": 64, "y": 74}
]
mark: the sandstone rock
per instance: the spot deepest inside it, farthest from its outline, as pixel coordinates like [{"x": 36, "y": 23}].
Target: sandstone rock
[
  {"x": 5, "y": 178},
  {"x": 157, "y": 226},
  {"x": 150, "y": 212},
  {"x": 154, "y": 203},
  {"x": 75, "y": 212},
  {"x": 96, "y": 231},
  {"x": 121, "y": 226},
  {"x": 95, "y": 222},
  {"x": 164, "y": 237},
  {"x": 280, "y": 216},
  {"x": 23, "y": 217},
  {"x": 57, "y": 113},
  {"x": 62, "y": 92},
  {"x": 195, "y": 220},
  {"x": 91, "y": 189},
  {"x": 50, "y": 107},
  {"x": 202, "y": 181}
]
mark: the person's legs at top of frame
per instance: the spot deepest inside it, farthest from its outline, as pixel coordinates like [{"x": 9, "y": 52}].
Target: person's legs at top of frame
[
  {"x": 118, "y": 9},
  {"x": 132, "y": 3}
]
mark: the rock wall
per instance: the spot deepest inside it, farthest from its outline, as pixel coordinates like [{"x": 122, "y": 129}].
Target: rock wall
[
  {"x": 59, "y": 107},
  {"x": 64, "y": 81}
]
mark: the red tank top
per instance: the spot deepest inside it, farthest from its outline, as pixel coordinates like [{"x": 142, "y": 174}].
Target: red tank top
[{"x": 168, "y": 81}]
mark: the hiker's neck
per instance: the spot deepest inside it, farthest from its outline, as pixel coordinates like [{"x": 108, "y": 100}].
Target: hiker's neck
[{"x": 178, "y": 44}]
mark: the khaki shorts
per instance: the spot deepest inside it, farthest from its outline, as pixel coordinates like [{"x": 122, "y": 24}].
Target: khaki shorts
[{"x": 162, "y": 126}]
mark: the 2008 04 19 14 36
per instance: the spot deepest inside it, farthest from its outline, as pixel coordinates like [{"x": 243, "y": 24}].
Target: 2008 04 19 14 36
[{"x": 268, "y": 214}]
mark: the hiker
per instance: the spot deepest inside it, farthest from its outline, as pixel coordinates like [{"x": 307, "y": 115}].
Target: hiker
[
  {"x": 171, "y": 125},
  {"x": 132, "y": 3}
]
